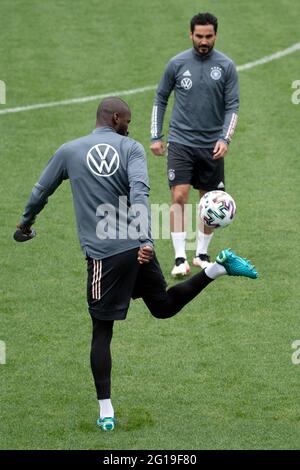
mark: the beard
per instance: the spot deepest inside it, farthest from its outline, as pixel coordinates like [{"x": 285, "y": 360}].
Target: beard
[
  {"x": 122, "y": 130},
  {"x": 205, "y": 50}
]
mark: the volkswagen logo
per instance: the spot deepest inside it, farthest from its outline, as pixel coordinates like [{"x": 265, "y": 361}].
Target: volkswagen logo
[
  {"x": 186, "y": 83},
  {"x": 103, "y": 160}
]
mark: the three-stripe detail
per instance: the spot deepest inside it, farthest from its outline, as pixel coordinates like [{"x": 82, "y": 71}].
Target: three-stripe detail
[
  {"x": 232, "y": 126},
  {"x": 154, "y": 123},
  {"x": 96, "y": 282}
]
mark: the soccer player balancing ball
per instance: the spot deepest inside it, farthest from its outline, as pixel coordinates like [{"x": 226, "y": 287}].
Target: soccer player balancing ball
[{"x": 217, "y": 209}]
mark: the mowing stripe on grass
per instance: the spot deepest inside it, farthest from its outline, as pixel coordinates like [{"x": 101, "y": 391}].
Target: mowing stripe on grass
[{"x": 269, "y": 58}]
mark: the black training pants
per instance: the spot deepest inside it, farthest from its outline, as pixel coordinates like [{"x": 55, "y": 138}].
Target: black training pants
[{"x": 166, "y": 305}]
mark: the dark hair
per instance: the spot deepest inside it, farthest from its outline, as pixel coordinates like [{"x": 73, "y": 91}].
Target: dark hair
[{"x": 203, "y": 19}]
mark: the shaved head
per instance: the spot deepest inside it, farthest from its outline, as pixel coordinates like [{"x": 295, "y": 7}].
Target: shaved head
[
  {"x": 115, "y": 113},
  {"x": 110, "y": 106}
]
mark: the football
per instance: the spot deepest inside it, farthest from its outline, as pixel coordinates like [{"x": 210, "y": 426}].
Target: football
[{"x": 217, "y": 209}]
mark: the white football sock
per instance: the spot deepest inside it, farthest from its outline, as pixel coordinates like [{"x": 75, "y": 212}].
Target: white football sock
[
  {"x": 178, "y": 239},
  {"x": 106, "y": 408},
  {"x": 203, "y": 242},
  {"x": 215, "y": 270}
]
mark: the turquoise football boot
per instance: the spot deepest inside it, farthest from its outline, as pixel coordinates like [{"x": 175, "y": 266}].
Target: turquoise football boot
[
  {"x": 106, "y": 424},
  {"x": 235, "y": 265}
]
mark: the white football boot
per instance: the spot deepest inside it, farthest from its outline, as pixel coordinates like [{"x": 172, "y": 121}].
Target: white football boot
[
  {"x": 181, "y": 268},
  {"x": 202, "y": 261}
]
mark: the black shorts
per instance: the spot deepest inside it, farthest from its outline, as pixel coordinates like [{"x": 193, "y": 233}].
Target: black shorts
[
  {"x": 195, "y": 166},
  {"x": 113, "y": 281}
]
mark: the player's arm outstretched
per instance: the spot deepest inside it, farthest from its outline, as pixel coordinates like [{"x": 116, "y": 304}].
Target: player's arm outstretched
[{"x": 52, "y": 176}]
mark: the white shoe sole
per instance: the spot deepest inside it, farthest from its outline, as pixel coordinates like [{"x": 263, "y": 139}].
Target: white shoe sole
[{"x": 182, "y": 270}]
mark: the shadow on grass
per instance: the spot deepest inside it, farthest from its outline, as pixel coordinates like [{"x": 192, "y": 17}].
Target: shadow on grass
[{"x": 136, "y": 418}]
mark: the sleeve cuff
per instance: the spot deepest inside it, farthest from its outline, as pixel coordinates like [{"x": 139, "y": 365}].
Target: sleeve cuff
[
  {"x": 157, "y": 139},
  {"x": 225, "y": 140},
  {"x": 146, "y": 243}
]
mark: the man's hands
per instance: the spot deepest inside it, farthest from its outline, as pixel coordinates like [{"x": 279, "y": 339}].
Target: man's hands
[
  {"x": 24, "y": 233},
  {"x": 220, "y": 149},
  {"x": 158, "y": 148},
  {"x": 145, "y": 254}
]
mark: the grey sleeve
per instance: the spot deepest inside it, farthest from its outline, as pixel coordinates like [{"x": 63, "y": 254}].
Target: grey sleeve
[
  {"x": 163, "y": 92},
  {"x": 139, "y": 193},
  {"x": 231, "y": 102},
  {"x": 52, "y": 176}
]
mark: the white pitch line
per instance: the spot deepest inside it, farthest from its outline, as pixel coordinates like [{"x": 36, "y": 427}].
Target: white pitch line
[
  {"x": 269, "y": 58},
  {"x": 84, "y": 99}
]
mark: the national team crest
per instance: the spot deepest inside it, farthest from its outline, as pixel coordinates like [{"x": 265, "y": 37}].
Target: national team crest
[
  {"x": 216, "y": 73},
  {"x": 186, "y": 83},
  {"x": 171, "y": 174}
]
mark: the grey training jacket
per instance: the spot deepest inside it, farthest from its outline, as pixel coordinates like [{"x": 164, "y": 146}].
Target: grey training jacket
[
  {"x": 206, "y": 99},
  {"x": 109, "y": 181}
]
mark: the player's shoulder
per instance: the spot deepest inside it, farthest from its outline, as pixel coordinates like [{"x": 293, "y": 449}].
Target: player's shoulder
[
  {"x": 132, "y": 144},
  {"x": 119, "y": 142},
  {"x": 182, "y": 57},
  {"x": 221, "y": 57},
  {"x": 73, "y": 144}
]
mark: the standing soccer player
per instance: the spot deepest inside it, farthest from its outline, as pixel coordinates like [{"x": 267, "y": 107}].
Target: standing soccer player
[
  {"x": 109, "y": 180},
  {"x": 203, "y": 121}
]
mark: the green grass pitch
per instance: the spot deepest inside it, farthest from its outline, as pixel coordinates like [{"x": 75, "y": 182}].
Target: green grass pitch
[{"x": 219, "y": 375}]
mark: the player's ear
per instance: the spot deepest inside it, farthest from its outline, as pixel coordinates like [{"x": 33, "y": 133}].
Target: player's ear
[{"x": 115, "y": 118}]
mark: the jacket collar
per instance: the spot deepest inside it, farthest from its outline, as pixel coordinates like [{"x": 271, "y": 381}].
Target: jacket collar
[{"x": 103, "y": 129}]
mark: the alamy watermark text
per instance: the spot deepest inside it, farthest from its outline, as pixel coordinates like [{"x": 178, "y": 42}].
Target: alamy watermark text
[
  {"x": 296, "y": 94},
  {"x": 2, "y": 92}
]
